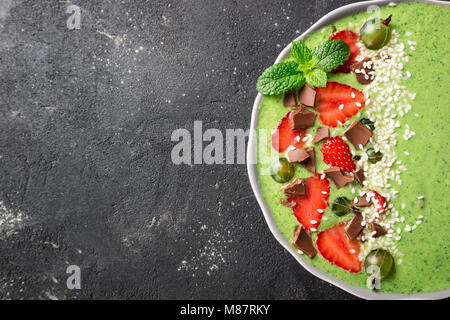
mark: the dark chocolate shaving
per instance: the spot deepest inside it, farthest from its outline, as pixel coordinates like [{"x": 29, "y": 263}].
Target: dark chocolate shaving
[
  {"x": 307, "y": 96},
  {"x": 302, "y": 118},
  {"x": 290, "y": 98},
  {"x": 359, "y": 176},
  {"x": 297, "y": 155},
  {"x": 339, "y": 177},
  {"x": 321, "y": 134},
  {"x": 302, "y": 241},
  {"x": 361, "y": 202},
  {"x": 297, "y": 188},
  {"x": 358, "y": 134},
  {"x": 363, "y": 71},
  {"x": 354, "y": 227},
  {"x": 379, "y": 230},
  {"x": 310, "y": 163}
]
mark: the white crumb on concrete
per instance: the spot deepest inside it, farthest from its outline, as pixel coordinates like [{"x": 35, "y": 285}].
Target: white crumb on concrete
[
  {"x": 10, "y": 220},
  {"x": 209, "y": 257}
]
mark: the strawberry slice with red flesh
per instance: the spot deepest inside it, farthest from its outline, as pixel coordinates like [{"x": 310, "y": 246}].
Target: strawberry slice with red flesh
[
  {"x": 350, "y": 38},
  {"x": 310, "y": 207},
  {"x": 338, "y": 102},
  {"x": 378, "y": 201},
  {"x": 337, "y": 153},
  {"x": 284, "y": 136},
  {"x": 334, "y": 245}
]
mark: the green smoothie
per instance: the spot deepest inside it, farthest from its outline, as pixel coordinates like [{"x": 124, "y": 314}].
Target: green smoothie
[{"x": 421, "y": 207}]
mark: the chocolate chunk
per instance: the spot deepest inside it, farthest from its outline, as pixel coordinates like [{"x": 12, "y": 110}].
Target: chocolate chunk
[
  {"x": 297, "y": 155},
  {"x": 297, "y": 188},
  {"x": 354, "y": 227},
  {"x": 302, "y": 119},
  {"x": 288, "y": 204},
  {"x": 307, "y": 96},
  {"x": 358, "y": 134},
  {"x": 361, "y": 202},
  {"x": 359, "y": 175},
  {"x": 379, "y": 230},
  {"x": 321, "y": 134},
  {"x": 302, "y": 241},
  {"x": 339, "y": 177},
  {"x": 363, "y": 71},
  {"x": 310, "y": 163},
  {"x": 290, "y": 98}
]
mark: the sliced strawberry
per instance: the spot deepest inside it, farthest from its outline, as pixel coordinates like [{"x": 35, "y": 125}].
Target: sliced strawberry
[
  {"x": 284, "y": 136},
  {"x": 334, "y": 245},
  {"x": 378, "y": 201},
  {"x": 331, "y": 116},
  {"x": 307, "y": 206},
  {"x": 338, "y": 102},
  {"x": 337, "y": 153},
  {"x": 351, "y": 38}
]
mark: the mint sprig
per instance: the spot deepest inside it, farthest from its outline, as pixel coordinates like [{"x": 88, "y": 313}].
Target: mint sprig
[
  {"x": 331, "y": 54},
  {"x": 310, "y": 66},
  {"x": 316, "y": 78}
]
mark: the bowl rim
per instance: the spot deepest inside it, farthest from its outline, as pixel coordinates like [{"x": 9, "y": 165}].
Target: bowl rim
[{"x": 251, "y": 165}]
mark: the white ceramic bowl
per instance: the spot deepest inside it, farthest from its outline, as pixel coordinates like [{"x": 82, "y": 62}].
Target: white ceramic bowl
[{"x": 251, "y": 167}]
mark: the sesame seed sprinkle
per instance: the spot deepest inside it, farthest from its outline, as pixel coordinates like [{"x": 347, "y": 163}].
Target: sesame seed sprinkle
[{"x": 387, "y": 99}]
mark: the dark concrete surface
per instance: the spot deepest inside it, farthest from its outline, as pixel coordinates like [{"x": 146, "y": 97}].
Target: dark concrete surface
[{"x": 86, "y": 178}]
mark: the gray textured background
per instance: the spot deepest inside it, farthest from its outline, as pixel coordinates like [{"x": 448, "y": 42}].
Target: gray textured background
[{"x": 86, "y": 178}]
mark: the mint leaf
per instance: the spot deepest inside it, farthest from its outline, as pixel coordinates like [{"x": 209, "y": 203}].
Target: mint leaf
[
  {"x": 308, "y": 66},
  {"x": 316, "y": 78},
  {"x": 331, "y": 54},
  {"x": 301, "y": 53},
  {"x": 280, "y": 78}
]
